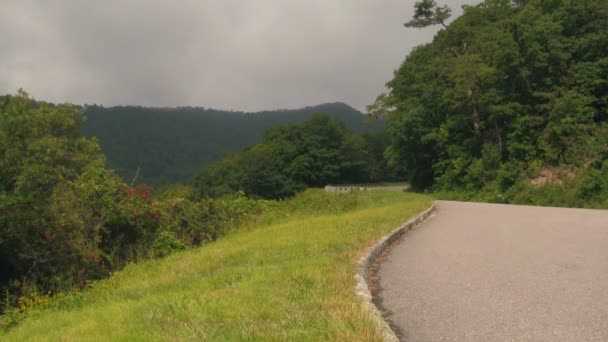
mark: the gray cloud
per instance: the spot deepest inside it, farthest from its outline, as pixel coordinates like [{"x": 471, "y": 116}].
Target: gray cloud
[{"x": 229, "y": 54}]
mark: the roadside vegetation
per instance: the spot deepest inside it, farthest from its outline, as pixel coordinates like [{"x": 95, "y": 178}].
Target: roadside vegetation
[
  {"x": 66, "y": 219},
  {"x": 287, "y": 275},
  {"x": 170, "y": 145},
  {"x": 509, "y": 103}
]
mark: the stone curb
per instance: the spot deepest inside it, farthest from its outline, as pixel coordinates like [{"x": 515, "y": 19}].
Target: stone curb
[{"x": 363, "y": 270}]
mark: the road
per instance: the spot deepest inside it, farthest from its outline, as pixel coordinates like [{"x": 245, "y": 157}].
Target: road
[{"x": 486, "y": 272}]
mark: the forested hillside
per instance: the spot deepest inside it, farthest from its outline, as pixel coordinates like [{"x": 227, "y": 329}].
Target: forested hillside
[
  {"x": 292, "y": 157},
  {"x": 172, "y": 144},
  {"x": 508, "y": 103},
  {"x": 66, "y": 219}
]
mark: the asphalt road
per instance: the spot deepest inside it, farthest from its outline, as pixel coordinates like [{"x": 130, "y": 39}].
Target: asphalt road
[{"x": 485, "y": 272}]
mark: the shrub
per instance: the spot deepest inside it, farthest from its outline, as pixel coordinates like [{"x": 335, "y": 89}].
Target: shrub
[{"x": 166, "y": 244}]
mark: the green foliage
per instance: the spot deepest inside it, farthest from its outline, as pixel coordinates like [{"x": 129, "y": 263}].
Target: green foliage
[
  {"x": 197, "y": 222},
  {"x": 292, "y": 157},
  {"x": 287, "y": 277},
  {"x": 593, "y": 187},
  {"x": 67, "y": 220},
  {"x": 166, "y": 243},
  {"x": 428, "y": 13},
  {"x": 506, "y": 91},
  {"x": 587, "y": 189},
  {"x": 44, "y": 162},
  {"x": 161, "y": 146}
]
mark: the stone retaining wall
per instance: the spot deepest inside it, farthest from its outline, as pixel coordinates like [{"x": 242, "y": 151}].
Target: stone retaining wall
[
  {"x": 363, "y": 187},
  {"x": 345, "y": 188}
]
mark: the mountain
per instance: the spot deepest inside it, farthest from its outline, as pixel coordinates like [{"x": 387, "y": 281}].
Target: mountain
[{"x": 170, "y": 145}]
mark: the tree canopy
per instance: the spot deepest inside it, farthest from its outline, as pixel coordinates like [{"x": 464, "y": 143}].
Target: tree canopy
[
  {"x": 509, "y": 90},
  {"x": 160, "y": 146},
  {"x": 428, "y": 13},
  {"x": 66, "y": 219},
  {"x": 292, "y": 157}
]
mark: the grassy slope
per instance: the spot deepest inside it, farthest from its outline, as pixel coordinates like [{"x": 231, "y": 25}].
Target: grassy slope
[{"x": 285, "y": 277}]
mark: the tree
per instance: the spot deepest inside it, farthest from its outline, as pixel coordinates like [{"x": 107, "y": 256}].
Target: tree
[
  {"x": 428, "y": 13},
  {"x": 508, "y": 89},
  {"x": 292, "y": 157}
]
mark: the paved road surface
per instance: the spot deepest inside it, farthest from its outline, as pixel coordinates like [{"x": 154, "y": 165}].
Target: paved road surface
[{"x": 484, "y": 272}]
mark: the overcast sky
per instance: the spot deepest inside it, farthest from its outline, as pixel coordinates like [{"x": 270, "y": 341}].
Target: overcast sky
[{"x": 227, "y": 54}]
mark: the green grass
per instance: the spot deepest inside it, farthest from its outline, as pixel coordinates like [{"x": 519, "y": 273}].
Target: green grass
[{"x": 287, "y": 276}]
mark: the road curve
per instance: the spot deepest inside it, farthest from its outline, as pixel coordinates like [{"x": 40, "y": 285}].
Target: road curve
[{"x": 487, "y": 272}]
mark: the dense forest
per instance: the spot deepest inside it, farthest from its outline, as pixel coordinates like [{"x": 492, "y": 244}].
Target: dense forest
[
  {"x": 169, "y": 145},
  {"x": 292, "y": 157},
  {"x": 509, "y": 103}
]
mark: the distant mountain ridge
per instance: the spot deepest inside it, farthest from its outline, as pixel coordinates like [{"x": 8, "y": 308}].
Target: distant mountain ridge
[{"x": 171, "y": 144}]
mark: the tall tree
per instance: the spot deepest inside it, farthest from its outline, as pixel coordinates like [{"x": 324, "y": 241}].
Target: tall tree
[{"x": 427, "y": 13}]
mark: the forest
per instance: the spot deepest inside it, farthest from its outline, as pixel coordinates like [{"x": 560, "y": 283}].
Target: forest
[
  {"x": 161, "y": 146},
  {"x": 293, "y": 157},
  {"x": 508, "y": 103}
]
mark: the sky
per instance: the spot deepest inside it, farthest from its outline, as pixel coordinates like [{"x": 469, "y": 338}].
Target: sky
[{"x": 227, "y": 54}]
